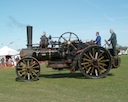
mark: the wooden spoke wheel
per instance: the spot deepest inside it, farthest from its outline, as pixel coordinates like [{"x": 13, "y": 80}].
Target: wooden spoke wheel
[
  {"x": 28, "y": 69},
  {"x": 95, "y": 62},
  {"x": 67, "y": 41}
]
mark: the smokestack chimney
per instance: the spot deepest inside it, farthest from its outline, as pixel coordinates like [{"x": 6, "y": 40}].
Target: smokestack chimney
[{"x": 29, "y": 37}]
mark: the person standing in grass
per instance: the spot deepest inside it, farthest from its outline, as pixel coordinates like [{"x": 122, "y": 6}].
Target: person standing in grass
[{"x": 2, "y": 62}]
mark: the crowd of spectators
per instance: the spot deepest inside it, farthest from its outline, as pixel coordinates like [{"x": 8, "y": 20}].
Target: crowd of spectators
[{"x": 8, "y": 61}]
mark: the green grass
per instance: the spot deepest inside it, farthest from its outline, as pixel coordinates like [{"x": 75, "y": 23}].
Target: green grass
[{"x": 62, "y": 86}]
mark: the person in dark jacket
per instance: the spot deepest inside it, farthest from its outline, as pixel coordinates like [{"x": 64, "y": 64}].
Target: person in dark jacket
[
  {"x": 43, "y": 41},
  {"x": 113, "y": 41}
]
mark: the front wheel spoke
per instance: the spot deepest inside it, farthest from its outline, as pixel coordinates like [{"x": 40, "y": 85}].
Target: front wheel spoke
[
  {"x": 28, "y": 64},
  {"x": 33, "y": 65},
  {"x": 24, "y": 62},
  {"x": 35, "y": 72},
  {"x": 31, "y": 75},
  {"x": 25, "y": 75},
  {"x": 28, "y": 76},
  {"x": 31, "y": 62},
  {"x": 19, "y": 67},
  {"x": 21, "y": 71}
]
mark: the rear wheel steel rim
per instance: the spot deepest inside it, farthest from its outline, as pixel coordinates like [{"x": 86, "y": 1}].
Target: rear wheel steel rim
[{"x": 95, "y": 62}]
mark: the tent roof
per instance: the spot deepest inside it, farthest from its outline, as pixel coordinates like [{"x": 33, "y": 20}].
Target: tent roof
[{"x": 8, "y": 51}]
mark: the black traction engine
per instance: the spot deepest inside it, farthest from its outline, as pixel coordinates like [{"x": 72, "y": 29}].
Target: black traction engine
[{"x": 68, "y": 52}]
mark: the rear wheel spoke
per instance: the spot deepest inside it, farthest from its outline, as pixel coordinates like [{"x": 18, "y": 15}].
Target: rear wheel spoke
[
  {"x": 87, "y": 56},
  {"x": 96, "y": 72}
]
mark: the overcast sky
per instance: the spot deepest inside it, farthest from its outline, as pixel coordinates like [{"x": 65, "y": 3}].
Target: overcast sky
[{"x": 83, "y": 17}]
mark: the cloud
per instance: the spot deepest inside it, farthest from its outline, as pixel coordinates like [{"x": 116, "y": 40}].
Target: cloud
[{"x": 109, "y": 18}]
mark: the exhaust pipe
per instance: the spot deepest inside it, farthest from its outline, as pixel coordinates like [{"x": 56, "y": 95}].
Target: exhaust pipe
[{"x": 29, "y": 37}]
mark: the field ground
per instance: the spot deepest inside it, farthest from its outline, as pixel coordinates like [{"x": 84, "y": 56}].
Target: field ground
[{"x": 62, "y": 86}]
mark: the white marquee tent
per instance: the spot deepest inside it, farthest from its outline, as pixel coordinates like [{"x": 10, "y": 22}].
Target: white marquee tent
[{"x": 8, "y": 51}]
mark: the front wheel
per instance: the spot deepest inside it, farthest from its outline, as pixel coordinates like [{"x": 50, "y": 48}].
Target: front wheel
[
  {"x": 95, "y": 62},
  {"x": 28, "y": 69}
]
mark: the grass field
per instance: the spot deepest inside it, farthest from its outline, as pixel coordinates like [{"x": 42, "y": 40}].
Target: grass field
[{"x": 62, "y": 86}]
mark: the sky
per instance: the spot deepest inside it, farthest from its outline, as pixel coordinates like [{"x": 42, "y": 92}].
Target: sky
[{"x": 55, "y": 17}]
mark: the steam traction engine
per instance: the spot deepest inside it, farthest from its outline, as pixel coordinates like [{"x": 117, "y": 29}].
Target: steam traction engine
[{"x": 68, "y": 52}]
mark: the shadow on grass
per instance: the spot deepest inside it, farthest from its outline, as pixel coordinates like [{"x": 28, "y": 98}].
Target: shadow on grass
[
  {"x": 110, "y": 74},
  {"x": 68, "y": 75},
  {"x": 19, "y": 80},
  {"x": 63, "y": 75}
]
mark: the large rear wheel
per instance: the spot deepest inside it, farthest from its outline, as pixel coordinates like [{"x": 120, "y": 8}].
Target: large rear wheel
[{"x": 95, "y": 62}]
